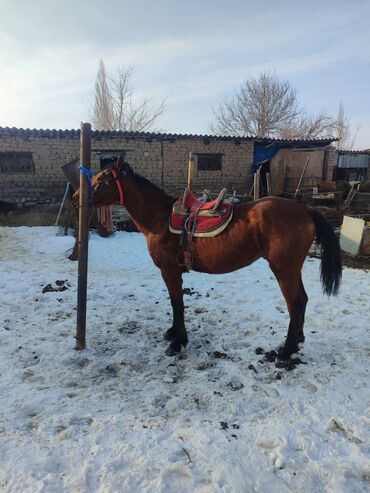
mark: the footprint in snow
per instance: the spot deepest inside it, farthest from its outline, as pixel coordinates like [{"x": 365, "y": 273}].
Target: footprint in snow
[{"x": 336, "y": 427}]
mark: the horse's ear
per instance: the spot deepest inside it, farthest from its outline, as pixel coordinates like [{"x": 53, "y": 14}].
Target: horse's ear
[{"x": 123, "y": 167}]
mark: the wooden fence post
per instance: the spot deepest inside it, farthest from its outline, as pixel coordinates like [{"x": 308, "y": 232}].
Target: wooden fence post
[
  {"x": 191, "y": 167},
  {"x": 83, "y": 234},
  {"x": 257, "y": 184},
  {"x": 268, "y": 184}
]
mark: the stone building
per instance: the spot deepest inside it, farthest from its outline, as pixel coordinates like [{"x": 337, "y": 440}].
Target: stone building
[{"x": 31, "y": 160}]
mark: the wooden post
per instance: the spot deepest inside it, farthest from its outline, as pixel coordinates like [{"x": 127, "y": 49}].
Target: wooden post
[
  {"x": 257, "y": 184},
  {"x": 191, "y": 171},
  {"x": 301, "y": 178},
  {"x": 268, "y": 184},
  {"x": 83, "y": 235}
]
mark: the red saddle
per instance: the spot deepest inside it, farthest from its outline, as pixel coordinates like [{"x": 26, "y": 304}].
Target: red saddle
[{"x": 198, "y": 218}]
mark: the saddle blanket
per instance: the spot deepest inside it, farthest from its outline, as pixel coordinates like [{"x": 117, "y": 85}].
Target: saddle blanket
[{"x": 204, "y": 223}]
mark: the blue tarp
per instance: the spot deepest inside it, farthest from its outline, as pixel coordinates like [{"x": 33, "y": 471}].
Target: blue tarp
[{"x": 262, "y": 154}]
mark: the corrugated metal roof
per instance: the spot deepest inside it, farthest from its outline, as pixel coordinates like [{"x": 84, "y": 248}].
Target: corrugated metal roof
[
  {"x": 160, "y": 136},
  {"x": 363, "y": 151},
  {"x": 320, "y": 142},
  {"x": 353, "y": 160},
  {"x": 113, "y": 133}
]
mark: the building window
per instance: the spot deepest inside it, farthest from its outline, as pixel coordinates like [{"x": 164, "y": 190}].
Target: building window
[
  {"x": 16, "y": 162},
  {"x": 209, "y": 162}
]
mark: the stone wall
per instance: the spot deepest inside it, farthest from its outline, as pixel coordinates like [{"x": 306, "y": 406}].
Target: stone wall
[{"x": 160, "y": 158}]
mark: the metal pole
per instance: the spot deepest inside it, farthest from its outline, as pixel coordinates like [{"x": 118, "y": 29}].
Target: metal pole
[{"x": 83, "y": 236}]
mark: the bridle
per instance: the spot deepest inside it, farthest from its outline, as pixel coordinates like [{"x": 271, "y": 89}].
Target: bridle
[{"x": 119, "y": 187}]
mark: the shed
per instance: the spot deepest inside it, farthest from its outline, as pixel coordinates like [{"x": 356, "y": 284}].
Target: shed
[
  {"x": 285, "y": 159},
  {"x": 352, "y": 165}
]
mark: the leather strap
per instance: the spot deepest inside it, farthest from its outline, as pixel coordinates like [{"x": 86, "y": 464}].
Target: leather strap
[{"x": 114, "y": 173}]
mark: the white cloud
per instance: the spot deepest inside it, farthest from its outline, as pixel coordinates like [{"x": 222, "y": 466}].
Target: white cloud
[{"x": 47, "y": 74}]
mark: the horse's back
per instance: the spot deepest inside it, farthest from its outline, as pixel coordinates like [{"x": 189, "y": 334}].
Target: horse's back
[
  {"x": 281, "y": 225},
  {"x": 275, "y": 209},
  {"x": 269, "y": 227}
]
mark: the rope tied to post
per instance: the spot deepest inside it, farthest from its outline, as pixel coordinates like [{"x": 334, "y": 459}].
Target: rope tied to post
[{"x": 88, "y": 173}]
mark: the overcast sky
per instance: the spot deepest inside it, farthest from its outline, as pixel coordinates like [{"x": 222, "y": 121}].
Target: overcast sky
[{"x": 192, "y": 52}]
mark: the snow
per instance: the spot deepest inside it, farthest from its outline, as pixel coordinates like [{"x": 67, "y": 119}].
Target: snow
[{"x": 120, "y": 416}]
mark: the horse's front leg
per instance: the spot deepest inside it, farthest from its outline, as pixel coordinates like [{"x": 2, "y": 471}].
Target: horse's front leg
[{"x": 177, "y": 333}]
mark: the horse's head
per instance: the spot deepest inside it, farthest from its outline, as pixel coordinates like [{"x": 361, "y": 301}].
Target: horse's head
[{"x": 107, "y": 185}]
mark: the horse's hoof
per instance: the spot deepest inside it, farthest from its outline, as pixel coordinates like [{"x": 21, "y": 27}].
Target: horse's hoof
[
  {"x": 169, "y": 334},
  {"x": 285, "y": 353},
  {"x": 173, "y": 349}
]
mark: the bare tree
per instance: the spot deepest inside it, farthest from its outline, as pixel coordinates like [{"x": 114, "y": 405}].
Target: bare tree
[
  {"x": 102, "y": 112},
  {"x": 309, "y": 126},
  {"x": 342, "y": 130},
  {"x": 262, "y": 106},
  {"x": 114, "y": 106},
  {"x": 268, "y": 106}
]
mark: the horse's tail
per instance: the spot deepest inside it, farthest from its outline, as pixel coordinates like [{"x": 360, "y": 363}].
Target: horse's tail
[{"x": 331, "y": 262}]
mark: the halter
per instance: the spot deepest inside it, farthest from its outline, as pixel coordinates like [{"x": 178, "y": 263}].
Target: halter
[{"x": 120, "y": 191}]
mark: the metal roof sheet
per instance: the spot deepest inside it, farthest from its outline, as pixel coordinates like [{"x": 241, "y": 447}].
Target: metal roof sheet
[
  {"x": 353, "y": 160},
  {"x": 50, "y": 133}
]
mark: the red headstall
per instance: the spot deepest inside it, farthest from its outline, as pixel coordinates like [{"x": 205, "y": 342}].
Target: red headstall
[{"x": 114, "y": 173}]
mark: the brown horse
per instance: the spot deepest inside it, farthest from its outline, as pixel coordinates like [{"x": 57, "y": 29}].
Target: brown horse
[{"x": 277, "y": 229}]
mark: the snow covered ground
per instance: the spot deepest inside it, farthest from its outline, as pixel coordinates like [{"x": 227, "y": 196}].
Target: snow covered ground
[{"x": 122, "y": 417}]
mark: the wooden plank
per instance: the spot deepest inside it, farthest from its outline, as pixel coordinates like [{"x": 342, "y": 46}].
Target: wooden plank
[
  {"x": 301, "y": 177},
  {"x": 268, "y": 183},
  {"x": 257, "y": 184},
  {"x": 191, "y": 171}
]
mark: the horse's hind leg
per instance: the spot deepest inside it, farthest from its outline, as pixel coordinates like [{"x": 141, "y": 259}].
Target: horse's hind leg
[
  {"x": 296, "y": 299},
  {"x": 304, "y": 298},
  {"x": 177, "y": 333}
]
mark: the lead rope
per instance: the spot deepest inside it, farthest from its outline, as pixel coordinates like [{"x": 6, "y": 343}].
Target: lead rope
[{"x": 88, "y": 173}]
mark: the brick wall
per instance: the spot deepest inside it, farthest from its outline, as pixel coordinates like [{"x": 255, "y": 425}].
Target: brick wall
[
  {"x": 161, "y": 159},
  {"x": 330, "y": 162},
  {"x": 46, "y": 185},
  {"x": 236, "y": 165}
]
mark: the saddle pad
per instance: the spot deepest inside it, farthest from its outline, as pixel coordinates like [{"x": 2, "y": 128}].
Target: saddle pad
[{"x": 206, "y": 226}]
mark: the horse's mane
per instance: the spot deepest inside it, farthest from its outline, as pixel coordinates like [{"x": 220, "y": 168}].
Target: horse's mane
[{"x": 143, "y": 182}]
